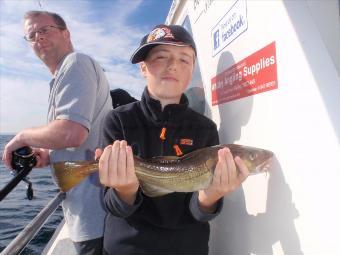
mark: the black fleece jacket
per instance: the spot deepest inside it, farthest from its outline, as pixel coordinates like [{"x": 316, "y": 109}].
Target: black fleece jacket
[{"x": 170, "y": 224}]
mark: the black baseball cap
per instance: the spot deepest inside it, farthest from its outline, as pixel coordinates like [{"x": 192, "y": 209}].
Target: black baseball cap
[{"x": 162, "y": 34}]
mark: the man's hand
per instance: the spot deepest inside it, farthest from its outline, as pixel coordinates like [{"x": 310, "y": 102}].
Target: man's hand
[
  {"x": 15, "y": 143},
  {"x": 42, "y": 156}
]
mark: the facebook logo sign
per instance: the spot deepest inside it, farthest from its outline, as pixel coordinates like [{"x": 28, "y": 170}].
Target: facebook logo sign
[{"x": 216, "y": 39}]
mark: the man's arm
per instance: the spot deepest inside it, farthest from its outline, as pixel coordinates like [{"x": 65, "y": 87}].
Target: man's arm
[{"x": 58, "y": 134}]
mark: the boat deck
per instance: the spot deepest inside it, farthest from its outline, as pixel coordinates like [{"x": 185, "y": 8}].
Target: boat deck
[{"x": 60, "y": 243}]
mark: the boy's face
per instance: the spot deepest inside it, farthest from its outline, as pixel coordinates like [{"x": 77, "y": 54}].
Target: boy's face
[{"x": 168, "y": 70}]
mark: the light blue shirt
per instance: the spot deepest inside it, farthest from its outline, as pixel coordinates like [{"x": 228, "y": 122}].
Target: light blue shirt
[{"x": 80, "y": 92}]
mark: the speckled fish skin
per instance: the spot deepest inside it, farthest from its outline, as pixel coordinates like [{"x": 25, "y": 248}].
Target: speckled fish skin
[{"x": 165, "y": 174}]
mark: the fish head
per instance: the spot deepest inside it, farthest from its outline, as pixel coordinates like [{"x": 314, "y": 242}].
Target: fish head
[{"x": 257, "y": 160}]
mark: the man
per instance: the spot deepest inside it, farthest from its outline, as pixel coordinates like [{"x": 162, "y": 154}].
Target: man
[{"x": 78, "y": 101}]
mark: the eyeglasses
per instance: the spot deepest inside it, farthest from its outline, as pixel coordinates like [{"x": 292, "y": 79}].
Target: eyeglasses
[{"x": 30, "y": 37}]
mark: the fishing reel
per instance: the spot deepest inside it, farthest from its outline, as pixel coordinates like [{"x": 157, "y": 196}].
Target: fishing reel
[{"x": 24, "y": 158}]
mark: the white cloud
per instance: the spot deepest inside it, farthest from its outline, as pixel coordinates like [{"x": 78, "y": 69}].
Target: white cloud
[
  {"x": 23, "y": 103},
  {"x": 122, "y": 76},
  {"x": 98, "y": 28}
]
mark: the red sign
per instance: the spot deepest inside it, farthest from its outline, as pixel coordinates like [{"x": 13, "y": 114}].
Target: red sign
[{"x": 252, "y": 75}]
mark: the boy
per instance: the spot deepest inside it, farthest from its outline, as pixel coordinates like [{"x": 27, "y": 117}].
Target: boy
[{"x": 161, "y": 124}]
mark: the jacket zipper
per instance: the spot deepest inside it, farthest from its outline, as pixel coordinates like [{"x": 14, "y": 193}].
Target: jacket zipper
[{"x": 162, "y": 136}]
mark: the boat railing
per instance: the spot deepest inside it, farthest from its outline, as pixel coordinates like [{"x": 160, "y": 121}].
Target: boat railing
[{"x": 30, "y": 231}]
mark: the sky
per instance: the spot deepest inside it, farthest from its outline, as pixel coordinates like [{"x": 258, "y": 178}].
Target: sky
[{"x": 108, "y": 30}]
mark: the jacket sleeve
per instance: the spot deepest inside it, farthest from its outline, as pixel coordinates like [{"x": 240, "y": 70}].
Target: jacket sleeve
[
  {"x": 194, "y": 207},
  {"x": 112, "y": 129},
  {"x": 198, "y": 214},
  {"x": 118, "y": 207},
  {"x": 214, "y": 139}
]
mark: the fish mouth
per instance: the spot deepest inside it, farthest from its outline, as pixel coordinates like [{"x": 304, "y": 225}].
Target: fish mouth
[{"x": 265, "y": 165}]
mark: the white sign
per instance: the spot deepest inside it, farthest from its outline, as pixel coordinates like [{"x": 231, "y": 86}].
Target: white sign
[
  {"x": 200, "y": 8},
  {"x": 233, "y": 23}
]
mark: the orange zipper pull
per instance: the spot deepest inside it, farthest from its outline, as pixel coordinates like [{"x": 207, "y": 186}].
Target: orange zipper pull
[
  {"x": 177, "y": 150},
  {"x": 162, "y": 135}
]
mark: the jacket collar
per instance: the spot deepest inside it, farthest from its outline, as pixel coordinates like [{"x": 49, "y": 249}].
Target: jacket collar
[{"x": 171, "y": 113}]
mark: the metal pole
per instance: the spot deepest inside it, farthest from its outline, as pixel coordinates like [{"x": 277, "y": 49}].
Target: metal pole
[{"x": 26, "y": 235}]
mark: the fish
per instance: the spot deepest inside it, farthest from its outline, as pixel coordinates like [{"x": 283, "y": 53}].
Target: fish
[{"x": 162, "y": 175}]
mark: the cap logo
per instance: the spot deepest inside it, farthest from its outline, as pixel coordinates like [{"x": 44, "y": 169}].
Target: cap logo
[{"x": 160, "y": 32}]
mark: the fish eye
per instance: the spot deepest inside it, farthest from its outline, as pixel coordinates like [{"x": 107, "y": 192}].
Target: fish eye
[{"x": 252, "y": 156}]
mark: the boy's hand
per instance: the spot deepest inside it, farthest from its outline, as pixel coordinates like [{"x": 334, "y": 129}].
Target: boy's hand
[
  {"x": 226, "y": 179},
  {"x": 117, "y": 170}
]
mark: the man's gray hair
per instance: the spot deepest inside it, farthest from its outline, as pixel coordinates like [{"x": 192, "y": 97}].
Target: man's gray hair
[{"x": 59, "y": 21}]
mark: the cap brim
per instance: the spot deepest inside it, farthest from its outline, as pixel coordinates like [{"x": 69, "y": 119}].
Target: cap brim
[{"x": 140, "y": 54}]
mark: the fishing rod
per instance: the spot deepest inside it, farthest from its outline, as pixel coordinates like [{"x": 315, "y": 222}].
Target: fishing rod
[{"x": 23, "y": 160}]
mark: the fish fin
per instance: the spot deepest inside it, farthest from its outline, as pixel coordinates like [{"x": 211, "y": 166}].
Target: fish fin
[
  {"x": 211, "y": 164},
  {"x": 166, "y": 157},
  {"x": 154, "y": 191},
  {"x": 163, "y": 159}
]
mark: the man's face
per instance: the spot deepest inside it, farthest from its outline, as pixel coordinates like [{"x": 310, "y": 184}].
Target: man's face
[
  {"x": 168, "y": 70},
  {"x": 51, "y": 44}
]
